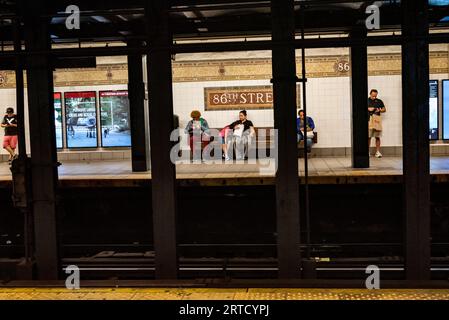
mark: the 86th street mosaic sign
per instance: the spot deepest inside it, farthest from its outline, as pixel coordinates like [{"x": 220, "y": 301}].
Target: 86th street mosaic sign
[{"x": 237, "y": 98}]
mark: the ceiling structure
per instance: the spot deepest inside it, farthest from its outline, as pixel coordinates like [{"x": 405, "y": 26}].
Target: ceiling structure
[{"x": 118, "y": 21}]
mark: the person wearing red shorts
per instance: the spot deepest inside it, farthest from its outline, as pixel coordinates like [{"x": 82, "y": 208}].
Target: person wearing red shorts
[{"x": 10, "y": 139}]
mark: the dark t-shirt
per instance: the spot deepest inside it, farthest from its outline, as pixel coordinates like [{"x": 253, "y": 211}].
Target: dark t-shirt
[
  {"x": 246, "y": 125},
  {"x": 376, "y": 103},
  {"x": 10, "y": 131},
  {"x": 175, "y": 121}
]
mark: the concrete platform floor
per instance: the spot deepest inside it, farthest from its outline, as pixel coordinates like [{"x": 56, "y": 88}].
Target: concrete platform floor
[
  {"x": 385, "y": 170},
  {"x": 219, "y": 294}
]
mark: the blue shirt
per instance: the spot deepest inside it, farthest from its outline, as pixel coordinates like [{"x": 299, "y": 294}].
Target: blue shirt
[{"x": 300, "y": 125}]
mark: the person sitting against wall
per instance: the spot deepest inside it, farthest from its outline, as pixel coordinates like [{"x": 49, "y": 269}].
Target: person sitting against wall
[
  {"x": 310, "y": 127},
  {"x": 198, "y": 129},
  {"x": 243, "y": 132}
]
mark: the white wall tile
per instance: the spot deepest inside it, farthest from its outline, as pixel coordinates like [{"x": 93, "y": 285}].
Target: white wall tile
[{"x": 328, "y": 103}]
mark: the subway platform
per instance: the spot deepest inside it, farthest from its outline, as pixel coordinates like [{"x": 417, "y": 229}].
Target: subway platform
[
  {"x": 323, "y": 170},
  {"x": 135, "y": 72}
]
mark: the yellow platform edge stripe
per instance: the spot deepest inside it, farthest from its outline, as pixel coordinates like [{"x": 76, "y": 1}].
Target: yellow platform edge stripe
[{"x": 221, "y": 294}]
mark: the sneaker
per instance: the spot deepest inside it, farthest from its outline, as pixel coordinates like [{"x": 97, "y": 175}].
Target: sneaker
[{"x": 378, "y": 154}]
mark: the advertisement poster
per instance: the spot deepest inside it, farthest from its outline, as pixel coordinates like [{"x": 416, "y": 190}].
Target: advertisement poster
[
  {"x": 58, "y": 118},
  {"x": 433, "y": 111},
  {"x": 115, "y": 119},
  {"x": 446, "y": 109},
  {"x": 81, "y": 119}
]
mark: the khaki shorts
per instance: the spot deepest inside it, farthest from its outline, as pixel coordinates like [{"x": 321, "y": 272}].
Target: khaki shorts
[{"x": 374, "y": 133}]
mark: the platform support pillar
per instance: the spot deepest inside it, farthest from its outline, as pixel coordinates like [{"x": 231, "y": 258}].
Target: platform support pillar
[
  {"x": 163, "y": 171},
  {"x": 415, "y": 133},
  {"x": 44, "y": 173},
  {"x": 140, "y": 158},
  {"x": 359, "y": 100},
  {"x": 287, "y": 182}
]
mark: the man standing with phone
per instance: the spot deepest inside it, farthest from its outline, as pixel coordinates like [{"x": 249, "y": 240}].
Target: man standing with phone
[
  {"x": 9, "y": 123},
  {"x": 375, "y": 108}
]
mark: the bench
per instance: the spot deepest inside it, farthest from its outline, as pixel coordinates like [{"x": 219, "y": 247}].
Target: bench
[{"x": 267, "y": 138}]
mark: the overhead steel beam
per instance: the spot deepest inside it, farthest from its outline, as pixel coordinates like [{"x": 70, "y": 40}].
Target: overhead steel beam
[
  {"x": 263, "y": 3},
  {"x": 230, "y": 46},
  {"x": 56, "y": 63},
  {"x": 314, "y": 43},
  {"x": 74, "y": 62}
]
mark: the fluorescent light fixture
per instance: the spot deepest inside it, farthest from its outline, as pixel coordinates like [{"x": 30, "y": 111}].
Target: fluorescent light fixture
[
  {"x": 190, "y": 15},
  {"x": 100, "y": 19},
  {"x": 439, "y": 2}
]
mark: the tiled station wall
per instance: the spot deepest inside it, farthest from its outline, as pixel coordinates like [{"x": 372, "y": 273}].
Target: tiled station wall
[{"x": 328, "y": 100}]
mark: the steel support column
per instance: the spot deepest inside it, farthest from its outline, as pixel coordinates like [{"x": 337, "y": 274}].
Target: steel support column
[
  {"x": 287, "y": 183},
  {"x": 43, "y": 141},
  {"x": 415, "y": 132},
  {"x": 359, "y": 98},
  {"x": 20, "y": 97},
  {"x": 136, "y": 95},
  {"x": 163, "y": 171}
]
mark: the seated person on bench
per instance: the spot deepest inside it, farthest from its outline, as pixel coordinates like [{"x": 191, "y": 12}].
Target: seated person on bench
[
  {"x": 243, "y": 132},
  {"x": 310, "y": 125}
]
